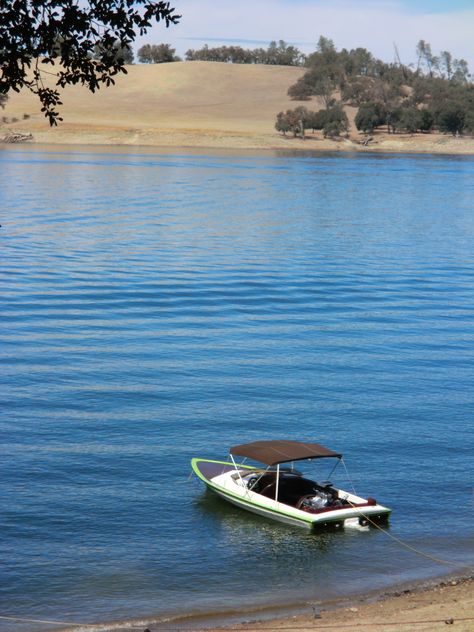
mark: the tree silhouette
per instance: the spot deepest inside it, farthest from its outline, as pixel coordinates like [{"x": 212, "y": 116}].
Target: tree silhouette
[{"x": 69, "y": 33}]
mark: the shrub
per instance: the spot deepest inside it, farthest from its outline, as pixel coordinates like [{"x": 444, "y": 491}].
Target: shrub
[{"x": 369, "y": 116}]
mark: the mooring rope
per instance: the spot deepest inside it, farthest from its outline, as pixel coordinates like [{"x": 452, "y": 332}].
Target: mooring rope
[
  {"x": 48, "y": 622},
  {"x": 245, "y": 628},
  {"x": 103, "y": 626},
  {"x": 405, "y": 544}
]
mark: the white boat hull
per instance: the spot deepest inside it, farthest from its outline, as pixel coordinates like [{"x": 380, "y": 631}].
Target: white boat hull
[{"x": 229, "y": 485}]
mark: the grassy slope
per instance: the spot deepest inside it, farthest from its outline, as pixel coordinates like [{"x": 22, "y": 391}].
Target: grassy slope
[
  {"x": 196, "y": 104},
  {"x": 183, "y": 95}
]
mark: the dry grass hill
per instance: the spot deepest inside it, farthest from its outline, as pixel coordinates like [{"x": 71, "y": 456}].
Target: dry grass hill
[
  {"x": 164, "y": 103},
  {"x": 192, "y": 104}
]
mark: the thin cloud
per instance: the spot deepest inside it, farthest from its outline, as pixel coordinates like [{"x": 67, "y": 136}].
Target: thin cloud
[
  {"x": 229, "y": 40},
  {"x": 372, "y": 24}
]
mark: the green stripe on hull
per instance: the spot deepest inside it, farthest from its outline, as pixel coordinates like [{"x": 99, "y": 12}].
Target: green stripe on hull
[
  {"x": 266, "y": 513},
  {"x": 242, "y": 501},
  {"x": 274, "y": 513}
]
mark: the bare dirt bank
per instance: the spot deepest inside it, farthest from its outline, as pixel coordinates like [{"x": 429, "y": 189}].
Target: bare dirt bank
[{"x": 198, "y": 105}]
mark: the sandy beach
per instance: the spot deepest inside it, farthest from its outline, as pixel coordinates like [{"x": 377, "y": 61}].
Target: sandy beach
[
  {"x": 198, "y": 105},
  {"x": 423, "y": 607}
]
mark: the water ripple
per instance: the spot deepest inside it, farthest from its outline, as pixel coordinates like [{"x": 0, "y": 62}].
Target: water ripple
[{"x": 155, "y": 308}]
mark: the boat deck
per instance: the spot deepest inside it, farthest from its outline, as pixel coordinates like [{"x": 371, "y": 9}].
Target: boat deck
[{"x": 209, "y": 469}]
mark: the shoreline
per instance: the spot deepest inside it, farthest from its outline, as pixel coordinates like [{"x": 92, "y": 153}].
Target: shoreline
[
  {"x": 245, "y": 145},
  {"x": 205, "y": 105},
  {"x": 424, "y": 604}
]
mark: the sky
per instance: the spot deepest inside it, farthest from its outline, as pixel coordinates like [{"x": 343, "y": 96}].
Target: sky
[{"x": 377, "y": 25}]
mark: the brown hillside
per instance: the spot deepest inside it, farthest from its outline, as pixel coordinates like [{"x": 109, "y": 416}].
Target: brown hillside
[
  {"x": 195, "y": 104},
  {"x": 186, "y": 97}
]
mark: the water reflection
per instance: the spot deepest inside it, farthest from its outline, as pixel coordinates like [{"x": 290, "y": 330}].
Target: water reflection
[{"x": 239, "y": 526}]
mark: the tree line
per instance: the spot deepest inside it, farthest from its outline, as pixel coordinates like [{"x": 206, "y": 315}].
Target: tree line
[
  {"x": 436, "y": 93},
  {"x": 157, "y": 54},
  {"x": 276, "y": 54}
]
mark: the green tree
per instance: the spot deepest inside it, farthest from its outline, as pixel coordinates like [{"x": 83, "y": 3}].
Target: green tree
[
  {"x": 392, "y": 119},
  {"x": 119, "y": 52},
  {"x": 461, "y": 71},
  {"x": 300, "y": 91},
  {"x": 357, "y": 90},
  {"x": 336, "y": 122},
  {"x": 426, "y": 57},
  {"x": 282, "y": 54},
  {"x": 316, "y": 120},
  {"x": 317, "y": 81},
  {"x": 409, "y": 119},
  {"x": 144, "y": 54},
  {"x": 35, "y": 34},
  {"x": 125, "y": 53},
  {"x": 469, "y": 122},
  {"x": 369, "y": 116},
  {"x": 157, "y": 54},
  {"x": 297, "y": 118},
  {"x": 324, "y": 75},
  {"x": 420, "y": 52},
  {"x": 325, "y": 46},
  {"x": 282, "y": 123},
  {"x": 357, "y": 62},
  {"x": 388, "y": 96},
  {"x": 446, "y": 64},
  {"x": 426, "y": 120},
  {"x": 451, "y": 118},
  {"x": 292, "y": 120}
]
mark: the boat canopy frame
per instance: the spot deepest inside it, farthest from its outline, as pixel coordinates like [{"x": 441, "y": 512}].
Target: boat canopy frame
[
  {"x": 276, "y": 452},
  {"x": 282, "y": 451}
]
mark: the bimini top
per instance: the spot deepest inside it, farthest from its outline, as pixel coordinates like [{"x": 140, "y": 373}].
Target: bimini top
[{"x": 281, "y": 451}]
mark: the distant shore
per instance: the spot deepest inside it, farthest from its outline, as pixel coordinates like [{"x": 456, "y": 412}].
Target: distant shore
[
  {"x": 199, "y": 105},
  {"x": 208, "y": 140}
]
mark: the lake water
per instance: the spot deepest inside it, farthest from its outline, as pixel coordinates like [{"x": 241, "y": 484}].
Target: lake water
[{"x": 157, "y": 307}]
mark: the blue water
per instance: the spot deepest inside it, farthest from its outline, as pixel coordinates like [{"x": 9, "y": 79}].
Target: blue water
[{"x": 156, "y": 307}]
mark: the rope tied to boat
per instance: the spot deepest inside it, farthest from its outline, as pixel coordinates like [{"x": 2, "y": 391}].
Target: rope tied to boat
[
  {"x": 294, "y": 628},
  {"x": 428, "y": 556},
  {"x": 75, "y": 624}
]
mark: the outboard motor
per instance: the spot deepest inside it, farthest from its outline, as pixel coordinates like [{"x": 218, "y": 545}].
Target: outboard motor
[{"x": 318, "y": 501}]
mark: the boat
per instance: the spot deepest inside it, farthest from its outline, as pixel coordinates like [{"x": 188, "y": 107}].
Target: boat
[{"x": 276, "y": 490}]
